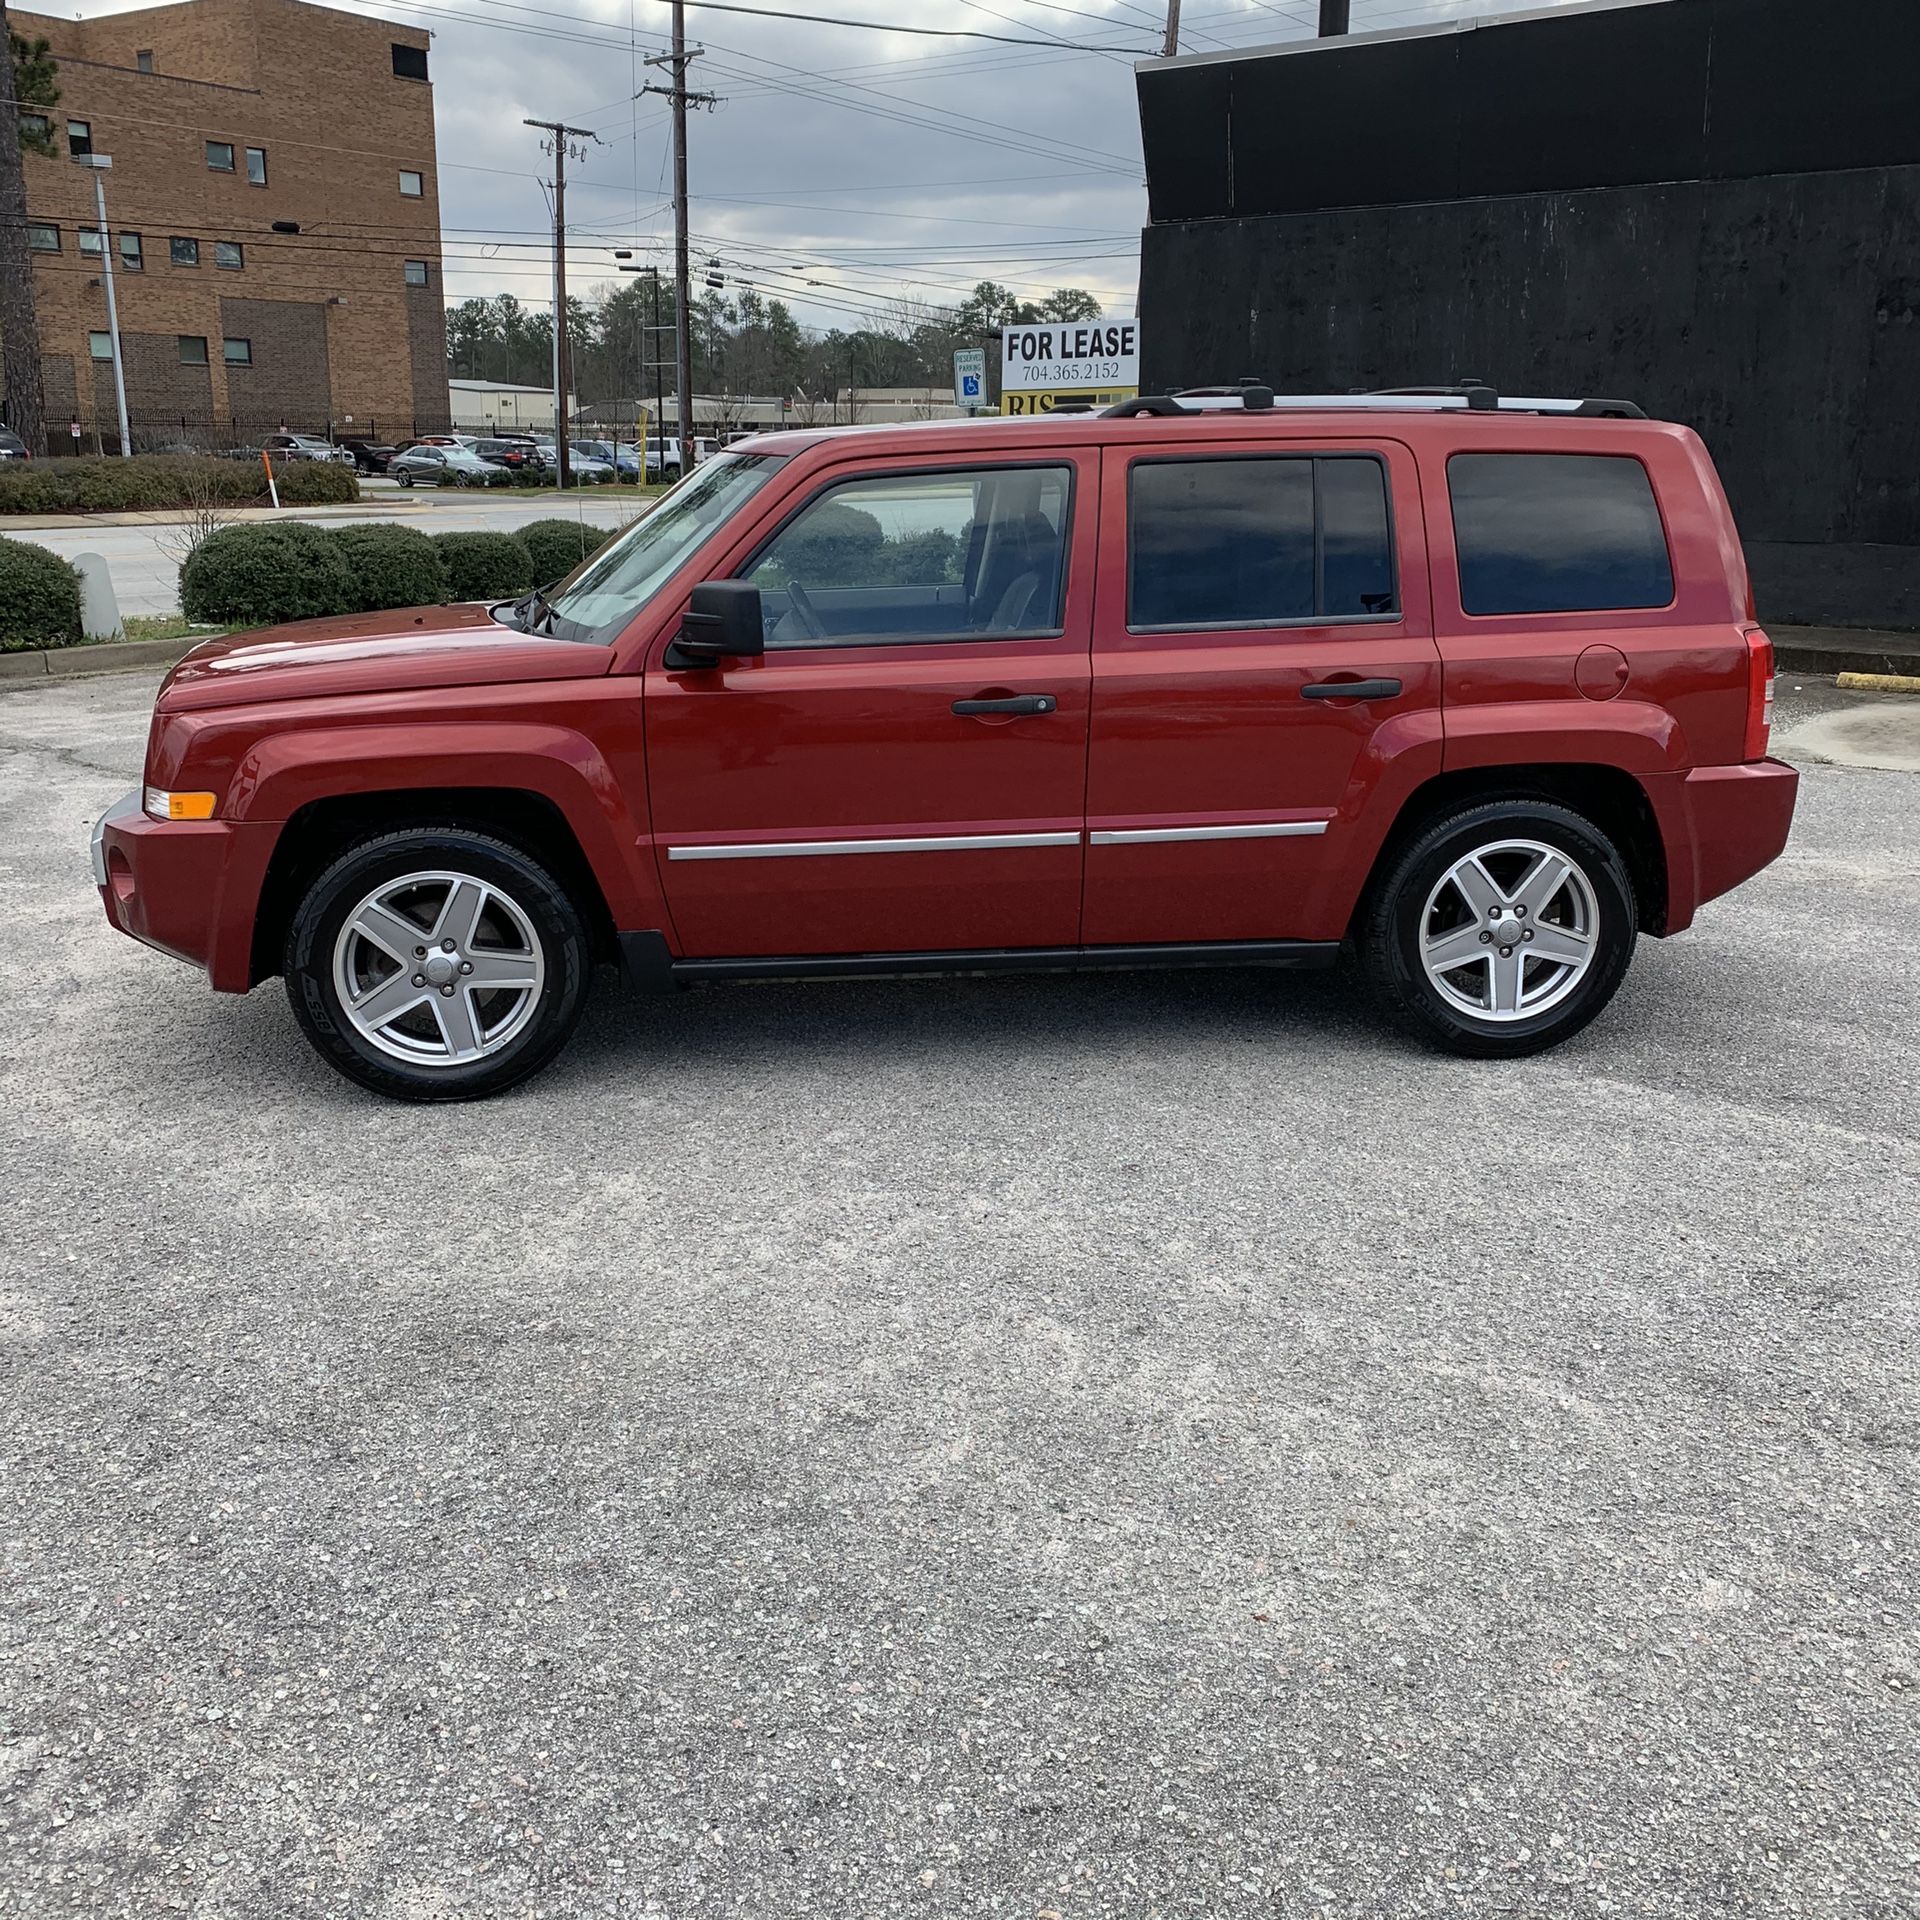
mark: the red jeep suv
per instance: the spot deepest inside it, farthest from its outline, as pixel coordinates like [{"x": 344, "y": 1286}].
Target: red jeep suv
[{"x": 1468, "y": 687}]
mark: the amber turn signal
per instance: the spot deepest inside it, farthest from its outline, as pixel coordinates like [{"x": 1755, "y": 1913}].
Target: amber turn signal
[{"x": 179, "y": 806}]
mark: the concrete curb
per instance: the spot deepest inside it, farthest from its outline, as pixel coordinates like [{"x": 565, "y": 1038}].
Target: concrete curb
[
  {"x": 108, "y": 656},
  {"x": 1844, "y": 650}
]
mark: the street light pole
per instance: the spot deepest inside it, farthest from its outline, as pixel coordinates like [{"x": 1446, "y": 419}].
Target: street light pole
[
  {"x": 1334, "y": 16},
  {"x": 99, "y": 163}
]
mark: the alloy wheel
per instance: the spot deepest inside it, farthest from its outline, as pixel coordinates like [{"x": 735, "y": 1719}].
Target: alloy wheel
[
  {"x": 1509, "y": 930},
  {"x": 439, "y": 969}
]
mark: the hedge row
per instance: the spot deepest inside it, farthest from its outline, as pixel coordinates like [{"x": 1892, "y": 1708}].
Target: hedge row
[
  {"x": 39, "y": 598},
  {"x": 286, "y": 570},
  {"x": 153, "y": 482}
]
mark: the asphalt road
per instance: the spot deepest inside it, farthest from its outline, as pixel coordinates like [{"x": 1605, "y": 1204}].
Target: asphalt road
[
  {"x": 1132, "y": 1447},
  {"x": 145, "y": 568}
]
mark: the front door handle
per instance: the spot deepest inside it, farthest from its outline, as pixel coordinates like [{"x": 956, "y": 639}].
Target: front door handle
[
  {"x": 1013, "y": 703},
  {"x": 1351, "y": 690}
]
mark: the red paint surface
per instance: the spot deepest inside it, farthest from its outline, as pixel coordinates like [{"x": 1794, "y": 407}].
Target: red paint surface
[{"x": 846, "y": 743}]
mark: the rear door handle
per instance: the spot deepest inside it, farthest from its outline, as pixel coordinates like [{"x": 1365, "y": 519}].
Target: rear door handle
[
  {"x": 1013, "y": 703},
  {"x": 1351, "y": 690}
]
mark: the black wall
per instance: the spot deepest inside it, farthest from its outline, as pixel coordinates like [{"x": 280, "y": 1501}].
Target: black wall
[{"x": 1711, "y": 207}]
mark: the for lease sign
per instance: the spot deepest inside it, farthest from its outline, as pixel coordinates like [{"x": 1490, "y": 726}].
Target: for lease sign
[{"x": 1074, "y": 354}]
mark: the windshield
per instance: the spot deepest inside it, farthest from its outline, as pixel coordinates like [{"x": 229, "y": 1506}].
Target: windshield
[{"x": 598, "y": 599}]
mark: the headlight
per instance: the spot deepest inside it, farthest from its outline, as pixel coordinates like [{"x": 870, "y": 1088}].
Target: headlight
[{"x": 163, "y": 805}]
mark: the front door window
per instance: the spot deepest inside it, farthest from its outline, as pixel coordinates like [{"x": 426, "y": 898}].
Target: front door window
[{"x": 940, "y": 555}]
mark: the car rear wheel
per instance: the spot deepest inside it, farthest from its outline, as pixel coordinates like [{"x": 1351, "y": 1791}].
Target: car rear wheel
[
  {"x": 404, "y": 477},
  {"x": 437, "y": 964},
  {"x": 1502, "y": 929}
]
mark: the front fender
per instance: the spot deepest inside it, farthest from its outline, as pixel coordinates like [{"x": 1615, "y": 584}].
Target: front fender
[{"x": 285, "y": 772}]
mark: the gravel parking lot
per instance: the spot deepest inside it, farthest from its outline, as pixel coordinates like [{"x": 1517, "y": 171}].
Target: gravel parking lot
[{"x": 1144, "y": 1446}]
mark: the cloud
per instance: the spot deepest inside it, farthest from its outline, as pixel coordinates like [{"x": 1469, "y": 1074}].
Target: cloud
[{"x": 840, "y": 169}]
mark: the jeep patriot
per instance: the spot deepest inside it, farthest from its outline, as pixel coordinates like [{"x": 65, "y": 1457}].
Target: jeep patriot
[{"x": 1469, "y": 689}]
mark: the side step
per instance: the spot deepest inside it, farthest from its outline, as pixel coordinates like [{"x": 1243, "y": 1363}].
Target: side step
[{"x": 648, "y": 964}]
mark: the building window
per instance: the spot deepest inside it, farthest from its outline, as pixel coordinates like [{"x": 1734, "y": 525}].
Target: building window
[
  {"x": 183, "y": 253},
  {"x": 43, "y": 236},
  {"x": 220, "y": 155},
  {"x": 90, "y": 242},
  {"x": 79, "y": 138},
  {"x": 229, "y": 253},
  {"x": 193, "y": 349},
  {"x": 257, "y": 166},
  {"x": 237, "y": 353},
  {"x": 1557, "y": 533},
  {"x": 100, "y": 346},
  {"x": 144, "y": 60},
  {"x": 411, "y": 185},
  {"x": 416, "y": 273},
  {"x": 409, "y": 63},
  {"x": 1220, "y": 544},
  {"x": 132, "y": 260}
]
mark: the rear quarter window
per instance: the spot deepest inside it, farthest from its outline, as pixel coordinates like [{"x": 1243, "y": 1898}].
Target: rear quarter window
[{"x": 1557, "y": 533}]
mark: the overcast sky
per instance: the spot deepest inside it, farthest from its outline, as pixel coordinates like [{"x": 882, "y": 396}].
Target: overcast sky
[{"x": 842, "y": 168}]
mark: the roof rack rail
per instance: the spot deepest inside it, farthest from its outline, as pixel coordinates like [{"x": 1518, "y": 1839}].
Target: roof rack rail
[{"x": 1473, "y": 396}]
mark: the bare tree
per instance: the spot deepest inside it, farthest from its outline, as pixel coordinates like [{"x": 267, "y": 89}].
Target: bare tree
[
  {"x": 205, "y": 509},
  {"x": 20, "y": 388}
]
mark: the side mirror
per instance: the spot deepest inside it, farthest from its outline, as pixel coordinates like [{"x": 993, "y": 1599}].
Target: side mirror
[{"x": 722, "y": 622}]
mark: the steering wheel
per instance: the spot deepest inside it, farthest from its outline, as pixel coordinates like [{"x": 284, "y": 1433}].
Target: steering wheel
[{"x": 805, "y": 611}]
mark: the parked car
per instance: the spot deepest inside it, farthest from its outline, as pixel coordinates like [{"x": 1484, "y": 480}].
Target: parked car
[
  {"x": 12, "y": 447},
  {"x": 369, "y": 456},
  {"x": 511, "y": 454},
  {"x": 622, "y": 460},
  {"x": 444, "y": 466},
  {"x": 664, "y": 461},
  {"x": 305, "y": 446},
  {"x": 586, "y": 469},
  {"x": 1471, "y": 690}
]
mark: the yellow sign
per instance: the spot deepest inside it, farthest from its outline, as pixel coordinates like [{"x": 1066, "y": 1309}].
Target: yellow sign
[{"x": 1047, "y": 402}]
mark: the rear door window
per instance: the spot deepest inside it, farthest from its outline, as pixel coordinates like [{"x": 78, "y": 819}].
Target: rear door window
[
  {"x": 1258, "y": 541},
  {"x": 1557, "y": 533}
]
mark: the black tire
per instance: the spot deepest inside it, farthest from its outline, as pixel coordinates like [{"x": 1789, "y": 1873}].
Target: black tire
[
  {"x": 563, "y": 948},
  {"x": 1396, "y": 911},
  {"x": 404, "y": 477}
]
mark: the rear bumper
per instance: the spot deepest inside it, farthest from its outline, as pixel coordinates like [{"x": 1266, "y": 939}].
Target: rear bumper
[
  {"x": 1721, "y": 825},
  {"x": 187, "y": 887}
]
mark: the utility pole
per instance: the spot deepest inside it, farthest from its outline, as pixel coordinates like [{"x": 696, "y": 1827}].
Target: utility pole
[
  {"x": 21, "y": 402},
  {"x": 679, "y": 59},
  {"x": 559, "y": 135},
  {"x": 1333, "y": 16},
  {"x": 1171, "y": 45}
]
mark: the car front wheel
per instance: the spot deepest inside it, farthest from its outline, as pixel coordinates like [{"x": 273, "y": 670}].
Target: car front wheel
[
  {"x": 437, "y": 964},
  {"x": 1502, "y": 929}
]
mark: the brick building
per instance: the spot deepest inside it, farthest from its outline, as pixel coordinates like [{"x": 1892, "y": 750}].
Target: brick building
[{"x": 227, "y": 120}]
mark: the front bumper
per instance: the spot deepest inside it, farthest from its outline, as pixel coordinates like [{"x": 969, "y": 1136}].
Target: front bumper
[{"x": 188, "y": 887}]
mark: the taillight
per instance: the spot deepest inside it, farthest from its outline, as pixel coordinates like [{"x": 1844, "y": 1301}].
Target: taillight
[{"x": 1759, "y": 693}]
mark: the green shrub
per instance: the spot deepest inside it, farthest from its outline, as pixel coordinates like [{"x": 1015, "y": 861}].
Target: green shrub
[
  {"x": 39, "y": 598},
  {"x": 393, "y": 567},
  {"x": 485, "y": 566},
  {"x": 153, "y": 482},
  {"x": 316, "y": 483},
  {"x": 836, "y": 546},
  {"x": 558, "y": 546},
  {"x": 279, "y": 570}
]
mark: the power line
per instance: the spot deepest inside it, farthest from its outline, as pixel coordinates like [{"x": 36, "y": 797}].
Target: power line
[{"x": 888, "y": 26}]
